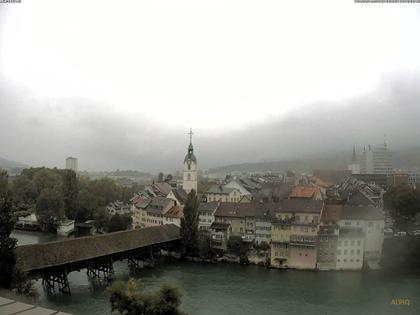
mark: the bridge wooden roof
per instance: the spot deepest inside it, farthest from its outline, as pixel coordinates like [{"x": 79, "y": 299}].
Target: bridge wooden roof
[{"x": 54, "y": 254}]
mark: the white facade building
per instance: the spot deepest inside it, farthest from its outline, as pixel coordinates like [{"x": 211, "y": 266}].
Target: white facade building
[
  {"x": 206, "y": 215},
  {"x": 371, "y": 221},
  {"x": 376, "y": 159},
  {"x": 350, "y": 249},
  {"x": 71, "y": 164},
  {"x": 242, "y": 190},
  {"x": 190, "y": 169}
]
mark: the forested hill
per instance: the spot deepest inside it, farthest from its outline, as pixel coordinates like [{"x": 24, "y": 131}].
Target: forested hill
[
  {"x": 405, "y": 159},
  {"x": 10, "y": 164},
  {"x": 338, "y": 161}
]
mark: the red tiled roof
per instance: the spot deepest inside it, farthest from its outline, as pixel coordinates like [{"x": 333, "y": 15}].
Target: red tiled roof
[{"x": 301, "y": 191}]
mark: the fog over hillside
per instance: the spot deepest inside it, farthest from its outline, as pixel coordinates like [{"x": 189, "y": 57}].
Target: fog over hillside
[
  {"x": 254, "y": 84},
  {"x": 45, "y": 131}
]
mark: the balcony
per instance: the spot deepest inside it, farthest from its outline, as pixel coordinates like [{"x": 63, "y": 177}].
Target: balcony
[{"x": 300, "y": 240}]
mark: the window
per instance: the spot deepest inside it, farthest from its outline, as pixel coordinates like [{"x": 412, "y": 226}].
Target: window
[
  {"x": 358, "y": 243},
  {"x": 370, "y": 224},
  {"x": 306, "y": 218},
  {"x": 351, "y": 252},
  {"x": 358, "y": 251},
  {"x": 347, "y": 223},
  {"x": 189, "y": 166},
  {"x": 345, "y": 252},
  {"x": 352, "y": 243},
  {"x": 339, "y": 252},
  {"x": 346, "y": 243},
  {"x": 189, "y": 176}
]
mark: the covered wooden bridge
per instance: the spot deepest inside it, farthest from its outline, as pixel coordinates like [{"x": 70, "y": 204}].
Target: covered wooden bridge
[{"x": 54, "y": 260}]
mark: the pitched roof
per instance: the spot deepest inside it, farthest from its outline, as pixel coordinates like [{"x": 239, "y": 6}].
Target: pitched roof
[
  {"x": 163, "y": 188},
  {"x": 361, "y": 213},
  {"x": 175, "y": 212},
  {"x": 208, "y": 207},
  {"x": 303, "y": 191},
  {"x": 158, "y": 204},
  {"x": 239, "y": 186},
  {"x": 41, "y": 256},
  {"x": 216, "y": 189},
  {"x": 180, "y": 194},
  {"x": 241, "y": 210},
  {"x": 230, "y": 209},
  {"x": 141, "y": 202},
  {"x": 301, "y": 205},
  {"x": 333, "y": 176}
]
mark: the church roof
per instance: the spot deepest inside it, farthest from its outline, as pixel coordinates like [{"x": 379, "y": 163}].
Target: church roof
[{"x": 190, "y": 155}]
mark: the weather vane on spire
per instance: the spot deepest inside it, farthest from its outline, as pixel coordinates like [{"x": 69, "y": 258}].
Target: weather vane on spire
[{"x": 191, "y": 134}]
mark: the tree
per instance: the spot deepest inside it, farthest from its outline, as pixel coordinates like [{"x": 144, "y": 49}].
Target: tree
[
  {"x": 206, "y": 251},
  {"x": 70, "y": 194},
  {"x": 24, "y": 191},
  {"x": 236, "y": 246},
  {"x": 49, "y": 208},
  {"x": 119, "y": 222},
  {"x": 105, "y": 190},
  {"x": 127, "y": 299},
  {"x": 102, "y": 218},
  {"x": 45, "y": 178},
  {"x": 189, "y": 226},
  {"x": 7, "y": 243},
  {"x": 403, "y": 200}
]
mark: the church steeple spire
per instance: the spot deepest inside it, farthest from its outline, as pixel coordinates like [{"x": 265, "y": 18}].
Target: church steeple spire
[
  {"x": 190, "y": 168},
  {"x": 354, "y": 154}
]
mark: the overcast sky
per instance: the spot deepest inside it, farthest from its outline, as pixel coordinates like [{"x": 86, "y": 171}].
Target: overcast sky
[{"x": 119, "y": 84}]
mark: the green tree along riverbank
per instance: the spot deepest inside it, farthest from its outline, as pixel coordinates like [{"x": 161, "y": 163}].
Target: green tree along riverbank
[{"x": 54, "y": 194}]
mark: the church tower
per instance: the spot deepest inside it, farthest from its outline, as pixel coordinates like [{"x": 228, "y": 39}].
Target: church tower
[{"x": 190, "y": 168}]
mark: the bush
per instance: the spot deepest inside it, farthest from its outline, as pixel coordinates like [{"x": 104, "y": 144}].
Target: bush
[{"x": 127, "y": 299}]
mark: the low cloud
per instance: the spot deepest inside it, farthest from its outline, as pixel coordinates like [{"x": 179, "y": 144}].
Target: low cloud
[{"x": 44, "y": 131}]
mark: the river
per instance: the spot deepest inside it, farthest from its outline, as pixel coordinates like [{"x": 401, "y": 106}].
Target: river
[{"x": 226, "y": 289}]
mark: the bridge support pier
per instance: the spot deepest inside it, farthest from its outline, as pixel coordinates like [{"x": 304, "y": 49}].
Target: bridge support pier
[
  {"x": 57, "y": 279},
  {"x": 136, "y": 263},
  {"x": 101, "y": 271}
]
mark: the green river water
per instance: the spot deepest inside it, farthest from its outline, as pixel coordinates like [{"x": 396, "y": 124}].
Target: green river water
[{"x": 232, "y": 289}]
